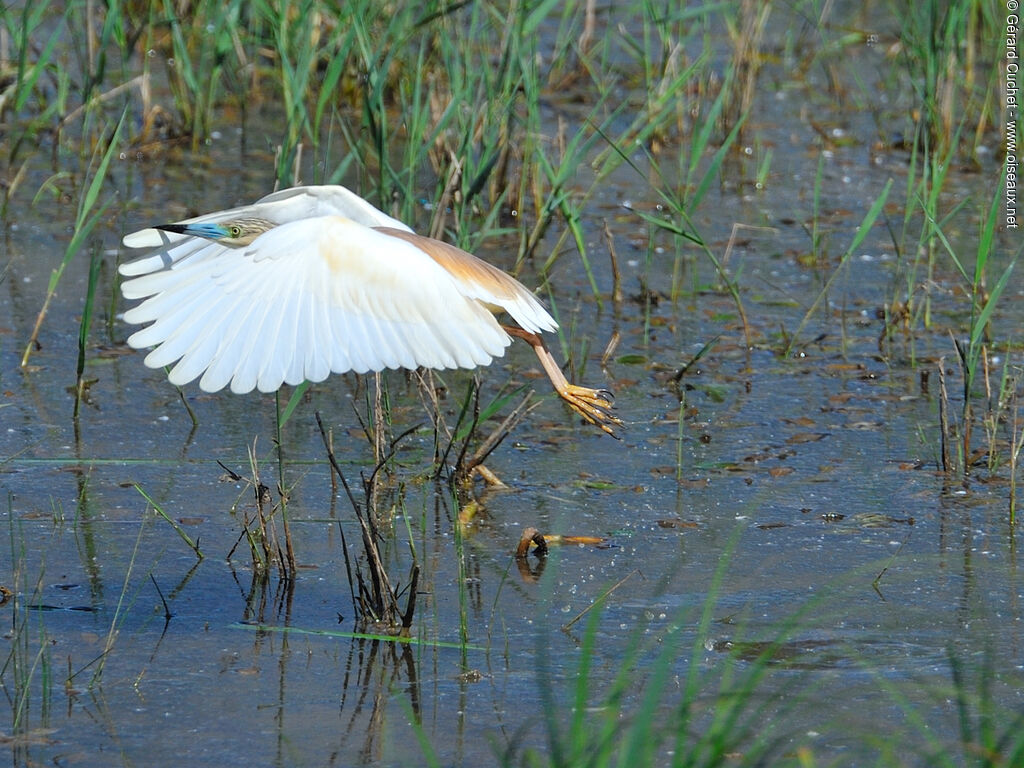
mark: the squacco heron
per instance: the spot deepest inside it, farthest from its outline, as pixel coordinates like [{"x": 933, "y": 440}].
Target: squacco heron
[{"x": 311, "y": 281}]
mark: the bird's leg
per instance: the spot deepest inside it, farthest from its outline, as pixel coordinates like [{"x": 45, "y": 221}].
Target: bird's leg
[{"x": 594, "y": 405}]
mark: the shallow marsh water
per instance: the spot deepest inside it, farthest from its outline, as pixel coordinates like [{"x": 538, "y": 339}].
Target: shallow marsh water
[{"x": 811, "y": 481}]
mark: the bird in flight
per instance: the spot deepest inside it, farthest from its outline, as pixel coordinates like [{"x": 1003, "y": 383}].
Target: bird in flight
[{"x": 314, "y": 280}]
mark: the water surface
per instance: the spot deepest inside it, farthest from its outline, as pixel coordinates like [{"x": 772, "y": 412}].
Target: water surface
[{"x": 811, "y": 482}]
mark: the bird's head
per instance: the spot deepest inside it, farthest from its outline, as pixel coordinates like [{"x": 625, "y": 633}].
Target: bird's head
[{"x": 233, "y": 232}]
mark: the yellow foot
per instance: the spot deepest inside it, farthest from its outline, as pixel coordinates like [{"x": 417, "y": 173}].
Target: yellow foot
[{"x": 594, "y": 405}]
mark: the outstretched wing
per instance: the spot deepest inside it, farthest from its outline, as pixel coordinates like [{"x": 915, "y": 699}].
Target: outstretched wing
[{"x": 309, "y": 297}]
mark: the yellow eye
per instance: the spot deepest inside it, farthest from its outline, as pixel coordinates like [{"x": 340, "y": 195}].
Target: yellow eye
[{"x": 235, "y": 231}]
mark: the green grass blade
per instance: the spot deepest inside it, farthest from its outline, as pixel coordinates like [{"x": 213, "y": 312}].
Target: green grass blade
[
  {"x": 177, "y": 528},
  {"x": 293, "y": 401},
  {"x": 858, "y": 238}
]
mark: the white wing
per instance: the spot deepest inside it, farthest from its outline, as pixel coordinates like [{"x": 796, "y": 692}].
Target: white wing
[{"x": 307, "y": 298}]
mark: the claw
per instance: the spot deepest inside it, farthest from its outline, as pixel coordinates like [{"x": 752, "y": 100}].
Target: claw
[{"x": 594, "y": 405}]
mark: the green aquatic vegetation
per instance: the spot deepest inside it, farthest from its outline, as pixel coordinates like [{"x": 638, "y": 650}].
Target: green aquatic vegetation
[
  {"x": 90, "y": 212},
  {"x": 26, "y": 672},
  {"x": 918, "y": 260},
  {"x": 972, "y": 351},
  {"x": 679, "y": 200},
  {"x": 27, "y": 105},
  {"x": 648, "y": 714},
  {"x": 95, "y": 264},
  {"x": 125, "y": 603},
  {"x": 983, "y": 304},
  {"x": 942, "y": 46},
  {"x": 1016, "y": 444},
  {"x": 173, "y": 523},
  {"x": 375, "y": 601},
  {"x": 298, "y": 60},
  {"x": 986, "y": 735},
  {"x": 202, "y": 42},
  {"x": 862, "y": 232}
]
